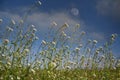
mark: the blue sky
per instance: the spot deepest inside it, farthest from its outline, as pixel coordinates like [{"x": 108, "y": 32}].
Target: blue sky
[{"x": 99, "y": 18}]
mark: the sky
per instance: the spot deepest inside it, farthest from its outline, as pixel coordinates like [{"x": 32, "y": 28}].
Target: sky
[{"x": 98, "y": 18}]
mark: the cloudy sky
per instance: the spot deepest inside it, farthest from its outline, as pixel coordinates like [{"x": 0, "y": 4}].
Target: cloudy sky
[{"x": 99, "y": 18}]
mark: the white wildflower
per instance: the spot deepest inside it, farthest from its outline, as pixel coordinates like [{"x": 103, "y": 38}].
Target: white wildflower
[
  {"x": 66, "y": 25},
  {"x": 103, "y": 56},
  {"x": 18, "y": 78},
  {"x": 68, "y": 37},
  {"x": 52, "y": 65},
  {"x": 38, "y": 62},
  {"x": 36, "y": 38},
  {"x": 53, "y": 42},
  {"x": 113, "y": 35},
  {"x": 26, "y": 50},
  {"x": 54, "y": 23},
  {"x": 6, "y": 41},
  {"x": 9, "y": 29},
  {"x": 77, "y": 49},
  {"x": 77, "y": 25},
  {"x": 32, "y": 26},
  {"x": 13, "y": 22},
  {"x": 44, "y": 42},
  {"x": 8, "y": 63},
  {"x": 89, "y": 41},
  {"x": 39, "y": 3},
  {"x": 101, "y": 48},
  {"x": 34, "y": 29},
  {"x": 80, "y": 45},
  {"x": 82, "y": 33},
  {"x": 28, "y": 64},
  {"x": 64, "y": 34},
  {"x": 114, "y": 68},
  {"x": 94, "y": 75},
  {"x": 97, "y": 52},
  {"x": 33, "y": 34},
  {"x": 82, "y": 57},
  {"x": 1, "y": 20},
  {"x": 11, "y": 77},
  {"x": 95, "y": 41},
  {"x": 3, "y": 55},
  {"x": 33, "y": 71},
  {"x": 21, "y": 36},
  {"x": 68, "y": 67},
  {"x": 88, "y": 50},
  {"x": 71, "y": 62},
  {"x": 21, "y": 21}
]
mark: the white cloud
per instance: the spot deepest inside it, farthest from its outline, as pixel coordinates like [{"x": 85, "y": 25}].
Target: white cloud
[
  {"x": 109, "y": 7},
  {"x": 97, "y": 36},
  {"x": 10, "y": 15},
  {"x": 43, "y": 20}
]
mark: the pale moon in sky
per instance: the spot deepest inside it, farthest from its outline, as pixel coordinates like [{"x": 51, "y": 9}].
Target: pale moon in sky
[{"x": 75, "y": 11}]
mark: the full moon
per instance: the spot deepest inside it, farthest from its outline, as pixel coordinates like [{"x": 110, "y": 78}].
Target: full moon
[{"x": 75, "y": 11}]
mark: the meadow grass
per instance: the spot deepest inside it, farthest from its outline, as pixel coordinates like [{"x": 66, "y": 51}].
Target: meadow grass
[{"x": 61, "y": 56}]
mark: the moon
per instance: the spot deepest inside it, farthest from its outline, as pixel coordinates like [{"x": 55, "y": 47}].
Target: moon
[{"x": 75, "y": 11}]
